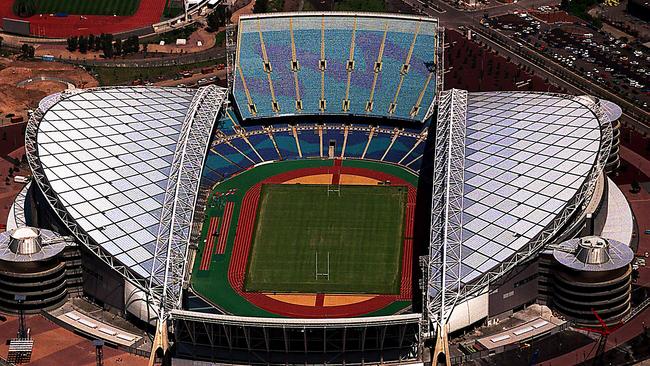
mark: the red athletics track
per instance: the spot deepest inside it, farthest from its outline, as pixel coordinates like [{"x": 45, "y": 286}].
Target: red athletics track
[
  {"x": 209, "y": 243},
  {"x": 243, "y": 238},
  {"x": 149, "y": 12},
  {"x": 225, "y": 227}
]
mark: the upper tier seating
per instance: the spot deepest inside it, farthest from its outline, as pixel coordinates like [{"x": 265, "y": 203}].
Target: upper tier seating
[{"x": 381, "y": 66}]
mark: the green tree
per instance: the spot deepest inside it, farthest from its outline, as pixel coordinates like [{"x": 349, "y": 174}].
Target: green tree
[
  {"x": 91, "y": 42},
  {"x": 24, "y": 8},
  {"x": 213, "y": 21},
  {"x": 261, "y": 6},
  {"x": 83, "y": 44},
  {"x": 118, "y": 47},
  {"x": 107, "y": 45},
  {"x": 73, "y": 43},
  {"x": 24, "y": 50}
]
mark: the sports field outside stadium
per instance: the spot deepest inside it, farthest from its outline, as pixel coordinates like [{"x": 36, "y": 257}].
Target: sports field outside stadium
[
  {"x": 220, "y": 264},
  {"x": 104, "y": 7},
  {"x": 318, "y": 238}
]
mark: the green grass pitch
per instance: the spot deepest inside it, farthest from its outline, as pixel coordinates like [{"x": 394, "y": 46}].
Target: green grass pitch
[
  {"x": 361, "y": 229},
  {"x": 88, "y": 7}
]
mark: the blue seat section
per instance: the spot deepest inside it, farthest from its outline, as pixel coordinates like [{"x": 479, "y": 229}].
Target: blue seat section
[
  {"x": 420, "y": 66},
  {"x": 244, "y": 147},
  {"x": 278, "y": 50},
  {"x": 357, "y": 141},
  {"x": 366, "y": 51},
  {"x": 336, "y": 135},
  {"x": 337, "y": 52},
  {"x": 226, "y": 124},
  {"x": 286, "y": 144},
  {"x": 414, "y": 154},
  {"x": 215, "y": 164},
  {"x": 309, "y": 142},
  {"x": 264, "y": 146},
  {"x": 336, "y": 41},
  {"x": 395, "y": 51},
  {"x": 231, "y": 154},
  {"x": 309, "y": 76},
  {"x": 400, "y": 148},
  {"x": 252, "y": 67},
  {"x": 378, "y": 146}
]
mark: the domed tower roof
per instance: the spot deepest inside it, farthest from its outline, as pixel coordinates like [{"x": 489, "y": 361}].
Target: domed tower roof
[
  {"x": 25, "y": 241},
  {"x": 28, "y": 244},
  {"x": 593, "y": 250},
  {"x": 593, "y": 253}
]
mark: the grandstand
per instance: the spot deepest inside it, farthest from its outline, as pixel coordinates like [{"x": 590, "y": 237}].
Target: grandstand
[
  {"x": 360, "y": 65},
  {"x": 163, "y": 188}
]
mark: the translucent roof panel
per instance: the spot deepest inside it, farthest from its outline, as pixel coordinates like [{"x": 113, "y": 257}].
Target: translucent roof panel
[
  {"x": 526, "y": 157},
  {"x": 378, "y": 65},
  {"x": 107, "y": 156}
]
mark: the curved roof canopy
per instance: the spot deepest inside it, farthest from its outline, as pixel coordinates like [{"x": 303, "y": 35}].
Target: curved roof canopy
[
  {"x": 112, "y": 163},
  {"x": 511, "y": 169}
]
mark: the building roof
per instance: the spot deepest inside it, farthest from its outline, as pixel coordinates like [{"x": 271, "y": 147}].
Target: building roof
[
  {"x": 614, "y": 112},
  {"x": 28, "y": 244},
  {"x": 528, "y": 160},
  {"x": 110, "y": 162},
  {"x": 593, "y": 254},
  {"x": 389, "y": 60},
  {"x": 107, "y": 155}
]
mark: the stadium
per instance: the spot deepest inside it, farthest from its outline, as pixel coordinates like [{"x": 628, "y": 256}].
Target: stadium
[{"x": 335, "y": 204}]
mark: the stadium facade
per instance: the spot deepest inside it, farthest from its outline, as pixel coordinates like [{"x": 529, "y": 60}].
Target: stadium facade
[{"x": 126, "y": 171}]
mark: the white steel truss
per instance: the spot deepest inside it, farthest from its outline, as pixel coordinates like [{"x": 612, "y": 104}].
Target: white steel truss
[
  {"x": 174, "y": 230},
  {"x": 444, "y": 279}
]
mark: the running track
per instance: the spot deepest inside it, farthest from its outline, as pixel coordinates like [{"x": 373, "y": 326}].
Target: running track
[
  {"x": 241, "y": 247},
  {"x": 207, "y": 252},
  {"x": 149, "y": 12}
]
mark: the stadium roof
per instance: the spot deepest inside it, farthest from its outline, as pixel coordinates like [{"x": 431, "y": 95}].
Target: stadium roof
[
  {"x": 522, "y": 164},
  {"x": 380, "y": 65},
  {"x": 108, "y": 161}
]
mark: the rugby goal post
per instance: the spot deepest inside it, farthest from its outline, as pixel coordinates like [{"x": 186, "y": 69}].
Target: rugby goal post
[
  {"x": 323, "y": 272},
  {"x": 334, "y": 189}
]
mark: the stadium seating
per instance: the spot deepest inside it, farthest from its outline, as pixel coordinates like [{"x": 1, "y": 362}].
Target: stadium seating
[
  {"x": 236, "y": 148},
  {"x": 309, "y": 138},
  {"x": 401, "y": 81},
  {"x": 335, "y": 134},
  {"x": 357, "y": 141},
  {"x": 378, "y": 145},
  {"x": 400, "y": 148},
  {"x": 264, "y": 146}
]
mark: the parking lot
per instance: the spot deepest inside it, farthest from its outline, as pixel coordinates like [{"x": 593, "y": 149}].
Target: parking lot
[{"x": 619, "y": 65}]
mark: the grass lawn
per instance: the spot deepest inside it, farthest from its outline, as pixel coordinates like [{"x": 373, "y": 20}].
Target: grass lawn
[
  {"x": 125, "y": 75},
  {"x": 104, "y": 7},
  {"x": 361, "y": 230}
]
